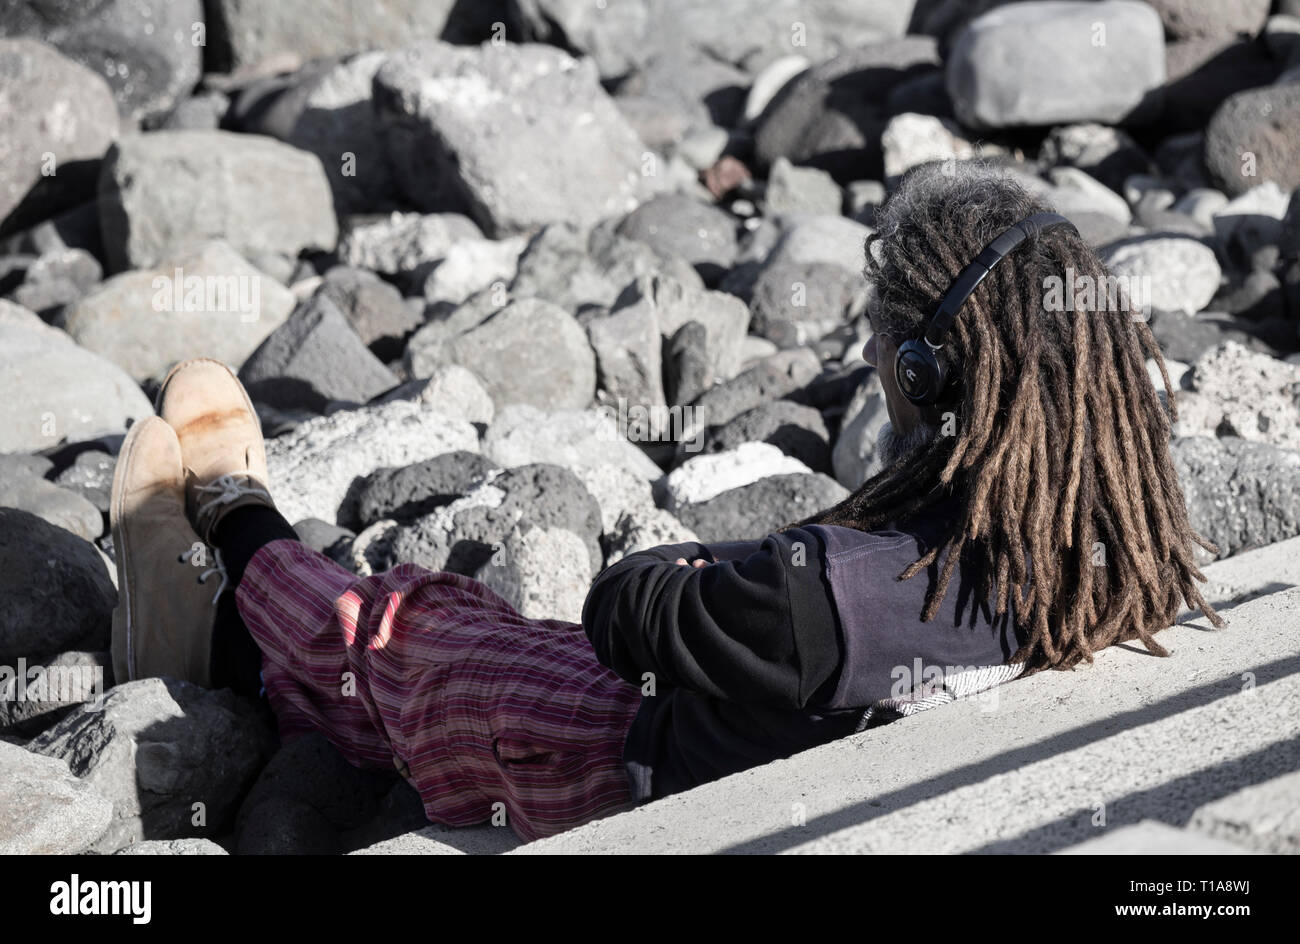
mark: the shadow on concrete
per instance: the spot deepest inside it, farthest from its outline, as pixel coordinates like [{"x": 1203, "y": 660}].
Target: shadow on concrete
[
  {"x": 1010, "y": 760},
  {"x": 1172, "y": 802}
]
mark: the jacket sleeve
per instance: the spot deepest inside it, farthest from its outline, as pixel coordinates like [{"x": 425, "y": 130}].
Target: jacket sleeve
[{"x": 758, "y": 629}]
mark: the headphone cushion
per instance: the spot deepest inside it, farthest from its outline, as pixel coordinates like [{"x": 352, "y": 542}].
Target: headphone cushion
[{"x": 918, "y": 372}]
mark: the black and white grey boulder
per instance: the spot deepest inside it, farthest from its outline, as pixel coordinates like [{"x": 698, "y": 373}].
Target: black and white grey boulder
[
  {"x": 173, "y": 758},
  {"x": 464, "y": 535},
  {"x": 411, "y": 492}
]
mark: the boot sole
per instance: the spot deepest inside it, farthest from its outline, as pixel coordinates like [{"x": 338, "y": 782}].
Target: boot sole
[{"x": 121, "y": 554}]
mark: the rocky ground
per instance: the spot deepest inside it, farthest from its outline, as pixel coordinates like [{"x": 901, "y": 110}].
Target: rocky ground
[{"x": 457, "y": 250}]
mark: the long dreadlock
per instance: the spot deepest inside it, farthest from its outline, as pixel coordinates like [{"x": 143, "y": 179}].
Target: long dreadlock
[{"x": 1062, "y": 443}]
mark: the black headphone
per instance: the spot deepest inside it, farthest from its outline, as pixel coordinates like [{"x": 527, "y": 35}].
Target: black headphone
[{"x": 918, "y": 367}]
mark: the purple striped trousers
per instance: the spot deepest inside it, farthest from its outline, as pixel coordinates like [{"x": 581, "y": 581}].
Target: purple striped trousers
[{"x": 484, "y": 711}]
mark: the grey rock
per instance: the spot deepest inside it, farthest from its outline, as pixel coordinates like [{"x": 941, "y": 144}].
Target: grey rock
[
  {"x": 687, "y": 372},
  {"x": 629, "y": 356},
  {"x": 313, "y": 358},
  {"x": 831, "y": 116},
  {"x": 770, "y": 379},
  {"x": 470, "y": 266},
  {"x": 374, "y": 309},
  {"x": 516, "y": 135},
  {"x": 55, "y": 590},
  {"x": 703, "y": 477},
  {"x": 337, "y": 123},
  {"x": 796, "y": 430},
  {"x": 52, "y": 390},
  {"x": 315, "y": 467},
  {"x": 834, "y": 240},
  {"x": 1186, "y": 19},
  {"x": 754, "y": 510},
  {"x": 36, "y": 696},
  {"x": 668, "y": 304},
  {"x": 522, "y": 435},
  {"x": 145, "y": 48},
  {"x": 640, "y": 532},
  {"x": 411, "y": 492},
  {"x": 618, "y": 491},
  {"x": 529, "y": 352},
  {"x": 400, "y": 243},
  {"x": 1257, "y": 122},
  {"x": 450, "y": 389},
  {"x": 59, "y": 506},
  {"x": 796, "y": 303},
  {"x": 181, "y": 847},
  {"x": 695, "y": 83},
  {"x": 1203, "y": 73},
  {"x": 66, "y": 265},
  {"x": 171, "y": 191},
  {"x": 329, "y": 539},
  {"x": 54, "y": 106},
  {"x": 202, "y": 112},
  {"x": 1262, "y": 817},
  {"x": 544, "y": 573},
  {"x": 1183, "y": 273},
  {"x": 248, "y": 35},
  {"x": 1238, "y": 392},
  {"x": 1185, "y": 337},
  {"x": 45, "y": 809},
  {"x": 1108, "y": 154},
  {"x": 156, "y": 747},
  {"x": 1010, "y": 48},
  {"x": 304, "y": 797},
  {"x": 576, "y": 269},
  {"x": 1239, "y": 494},
  {"x": 793, "y": 189},
  {"x": 675, "y": 224},
  {"x": 463, "y": 536},
  {"x": 147, "y": 320}
]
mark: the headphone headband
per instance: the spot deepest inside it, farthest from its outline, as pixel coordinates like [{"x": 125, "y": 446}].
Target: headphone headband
[
  {"x": 970, "y": 277},
  {"x": 920, "y": 374}
]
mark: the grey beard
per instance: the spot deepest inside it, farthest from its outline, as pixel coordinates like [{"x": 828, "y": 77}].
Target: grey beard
[{"x": 891, "y": 447}]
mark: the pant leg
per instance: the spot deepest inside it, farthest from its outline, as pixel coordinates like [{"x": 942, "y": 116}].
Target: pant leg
[{"x": 486, "y": 712}]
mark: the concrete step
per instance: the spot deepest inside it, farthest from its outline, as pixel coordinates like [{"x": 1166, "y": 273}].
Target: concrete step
[{"x": 1048, "y": 763}]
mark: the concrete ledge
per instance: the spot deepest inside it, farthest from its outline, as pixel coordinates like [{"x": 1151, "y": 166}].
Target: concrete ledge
[
  {"x": 1047, "y": 763},
  {"x": 1152, "y": 838}
]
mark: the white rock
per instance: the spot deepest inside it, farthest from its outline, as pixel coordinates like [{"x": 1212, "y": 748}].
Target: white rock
[
  {"x": 544, "y": 573},
  {"x": 1181, "y": 273},
  {"x": 523, "y": 434},
  {"x": 703, "y": 477},
  {"x": 313, "y": 467}
]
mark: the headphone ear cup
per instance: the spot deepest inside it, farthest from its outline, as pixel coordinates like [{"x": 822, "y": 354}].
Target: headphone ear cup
[{"x": 919, "y": 373}]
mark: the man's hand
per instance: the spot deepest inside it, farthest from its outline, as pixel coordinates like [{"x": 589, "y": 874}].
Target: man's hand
[{"x": 698, "y": 562}]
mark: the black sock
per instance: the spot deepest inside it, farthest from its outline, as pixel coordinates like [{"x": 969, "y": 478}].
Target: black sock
[{"x": 236, "y": 659}]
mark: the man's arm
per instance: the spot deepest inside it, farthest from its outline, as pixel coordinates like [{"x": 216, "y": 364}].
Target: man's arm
[{"x": 757, "y": 630}]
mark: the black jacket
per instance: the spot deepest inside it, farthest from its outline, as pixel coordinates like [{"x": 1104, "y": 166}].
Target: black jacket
[{"x": 778, "y": 646}]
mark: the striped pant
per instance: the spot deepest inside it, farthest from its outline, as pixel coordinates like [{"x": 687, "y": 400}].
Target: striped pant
[{"x": 484, "y": 711}]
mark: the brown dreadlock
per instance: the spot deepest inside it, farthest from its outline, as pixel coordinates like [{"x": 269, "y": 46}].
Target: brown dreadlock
[{"x": 1061, "y": 439}]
